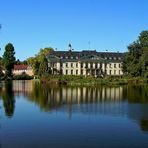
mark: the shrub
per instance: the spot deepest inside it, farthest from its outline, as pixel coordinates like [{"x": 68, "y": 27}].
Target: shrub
[{"x": 22, "y": 77}]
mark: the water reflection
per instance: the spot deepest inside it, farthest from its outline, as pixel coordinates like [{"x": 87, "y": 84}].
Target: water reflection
[
  {"x": 8, "y": 99},
  {"x": 48, "y": 97},
  {"x": 129, "y": 101},
  {"x": 137, "y": 94}
]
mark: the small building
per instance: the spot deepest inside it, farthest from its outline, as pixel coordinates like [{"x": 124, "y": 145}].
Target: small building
[
  {"x": 22, "y": 69},
  {"x": 85, "y": 63}
]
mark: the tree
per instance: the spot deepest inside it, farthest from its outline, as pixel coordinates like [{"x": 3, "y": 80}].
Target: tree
[
  {"x": 144, "y": 62},
  {"x": 43, "y": 69},
  {"x": 38, "y": 62},
  {"x": 135, "y": 60},
  {"x": 43, "y": 52},
  {"x": 8, "y": 60}
]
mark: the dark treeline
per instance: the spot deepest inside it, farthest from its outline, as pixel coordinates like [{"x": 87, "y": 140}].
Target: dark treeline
[
  {"x": 38, "y": 63},
  {"x": 136, "y": 59}
]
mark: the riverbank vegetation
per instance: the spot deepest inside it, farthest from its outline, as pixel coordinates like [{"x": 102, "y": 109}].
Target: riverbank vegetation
[
  {"x": 89, "y": 81},
  {"x": 135, "y": 62}
]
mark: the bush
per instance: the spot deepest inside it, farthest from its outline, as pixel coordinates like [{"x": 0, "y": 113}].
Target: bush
[{"x": 22, "y": 77}]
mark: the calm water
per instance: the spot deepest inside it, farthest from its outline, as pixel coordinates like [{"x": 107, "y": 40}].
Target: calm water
[{"x": 40, "y": 116}]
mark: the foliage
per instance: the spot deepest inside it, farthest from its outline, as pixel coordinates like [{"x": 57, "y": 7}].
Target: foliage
[
  {"x": 43, "y": 69},
  {"x": 22, "y": 77},
  {"x": 135, "y": 61},
  {"x": 1, "y": 68},
  {"x": 43, "y": 53},
  {"x": 38, "y": 62},
  {"x": 8, "y": 60},
  {"x": 18, "y": 62}
]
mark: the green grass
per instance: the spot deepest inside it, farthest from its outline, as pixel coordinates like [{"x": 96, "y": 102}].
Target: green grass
[{"x": 89, "y": 81}]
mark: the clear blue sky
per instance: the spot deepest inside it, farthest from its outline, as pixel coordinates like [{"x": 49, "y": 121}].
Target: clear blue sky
[{"x": 108, "y": 24}]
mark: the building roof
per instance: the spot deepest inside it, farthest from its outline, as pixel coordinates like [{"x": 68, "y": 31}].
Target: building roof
[
  {"x": 84, "y": 55},
  {"x": 20, "y": 67}
]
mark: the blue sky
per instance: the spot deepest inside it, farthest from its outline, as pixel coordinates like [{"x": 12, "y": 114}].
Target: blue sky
[{"x": 107, "y": 24}]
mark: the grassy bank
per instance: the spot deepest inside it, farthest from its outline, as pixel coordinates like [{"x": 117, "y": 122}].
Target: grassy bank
[{"x": 89, "y": 81}]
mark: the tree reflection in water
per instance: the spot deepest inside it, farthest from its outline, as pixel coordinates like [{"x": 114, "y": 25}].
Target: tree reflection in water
[
  {"x": 138, "y": 104},
  {"x": 8, "y": 99},
  {"x": 129, "y": 101}
]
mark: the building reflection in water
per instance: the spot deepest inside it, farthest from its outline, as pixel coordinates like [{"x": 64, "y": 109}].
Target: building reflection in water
[
  {"x": 127, "y": 101},
  {"x": 50, "y": 97}
]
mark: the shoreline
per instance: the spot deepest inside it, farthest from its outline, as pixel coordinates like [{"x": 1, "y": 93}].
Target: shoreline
[{"x": 91, "y": 81}]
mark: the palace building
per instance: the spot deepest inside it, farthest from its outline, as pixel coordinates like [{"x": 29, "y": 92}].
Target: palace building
[{"x": 85, "y": 63}]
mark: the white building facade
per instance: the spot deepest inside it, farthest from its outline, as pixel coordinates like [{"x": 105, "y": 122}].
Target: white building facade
[{"x": 85, "y": 63}]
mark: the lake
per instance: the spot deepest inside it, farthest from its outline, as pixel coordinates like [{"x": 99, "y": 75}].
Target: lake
[{"x": 41, "y": 116}]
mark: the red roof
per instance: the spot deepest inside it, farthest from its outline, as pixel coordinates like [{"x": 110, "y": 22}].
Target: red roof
[{"x": 20, "y": 67}]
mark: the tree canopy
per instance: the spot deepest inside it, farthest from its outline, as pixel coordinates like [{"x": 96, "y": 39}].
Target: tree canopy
[
  {"x": 136, "y": 59},
  {"x": 38, "y": 62},
  {"x": 8, "y": 60}
]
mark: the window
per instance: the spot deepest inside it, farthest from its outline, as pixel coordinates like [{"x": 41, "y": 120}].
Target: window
[
  {"x": 119, "y": 66},
  {"x": 110, "y": 65},
  {"x": 66, "y": 72},
  {"x": 119, "y": 72},
  {"x": 114, "y": 65},
  {"x": 81, "y": 72},
  {"x": 66, "y": 64},
  {"x": 76, "y": 64},
  {"x": 81, "y": 65},
  {"x": 71, "y": 57},
  {"x": 86, "y": 65},
  {"x": 110, "y": 72},
  {"x": 76, "y": 72},
  {"x": 91, "y": 65},
  {"x": 71, "y": 64},
  {"x": 71, "y": 72},
  {"x": 96, "y": 65},
  {"x": 114, "y": 72}
]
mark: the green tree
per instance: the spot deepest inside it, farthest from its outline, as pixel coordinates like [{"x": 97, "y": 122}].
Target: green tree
[
  {"x": 43, "y": 69},
  {"x": 144, "y": 62},
  {"x": 38, "y": 62},
  {"x": 43, "y": 52},
  {"x": 135, "y": 60},
  {"x": 34, "y": 63},
  {"x": 8, "y": 60}
]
